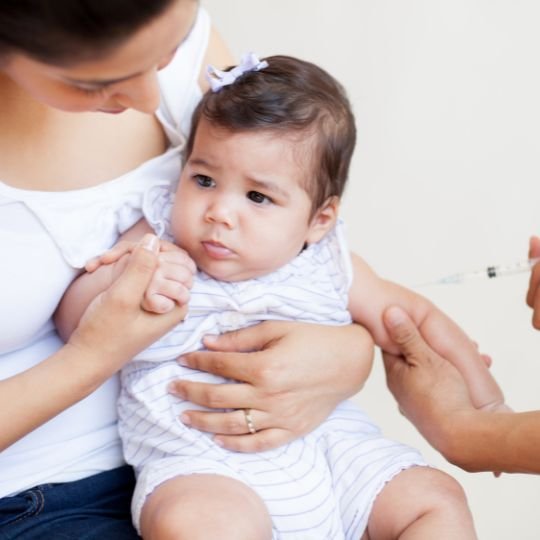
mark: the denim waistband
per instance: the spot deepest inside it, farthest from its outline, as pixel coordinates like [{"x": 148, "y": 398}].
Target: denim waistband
[{"x": 94, "y": 507}]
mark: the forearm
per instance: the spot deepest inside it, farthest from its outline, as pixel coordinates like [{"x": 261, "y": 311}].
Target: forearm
[
  {"x": 486, "y": 441},
  {"x": 33, "y": 397},
  {"x": 93, "y": 354}
]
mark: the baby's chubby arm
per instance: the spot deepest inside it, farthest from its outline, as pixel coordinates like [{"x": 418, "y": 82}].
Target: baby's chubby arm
[
  {"x": 370, "y": 296},
  {"x": 169, "y": 286}
]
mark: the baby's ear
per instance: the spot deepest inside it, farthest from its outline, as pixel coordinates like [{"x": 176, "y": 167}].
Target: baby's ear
[{"x": 324, "y": 219}]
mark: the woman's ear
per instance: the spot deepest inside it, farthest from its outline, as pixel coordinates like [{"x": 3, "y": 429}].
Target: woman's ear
[{"x": 324, "y": 219}]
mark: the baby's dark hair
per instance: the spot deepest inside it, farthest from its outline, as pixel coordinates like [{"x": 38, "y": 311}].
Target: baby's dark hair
[
  {"x": 290, "y": 96},
  {"x": 64, "y": 31}
]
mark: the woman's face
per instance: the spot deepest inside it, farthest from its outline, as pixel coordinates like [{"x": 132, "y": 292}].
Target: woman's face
[{"x": 125, "y": 79}]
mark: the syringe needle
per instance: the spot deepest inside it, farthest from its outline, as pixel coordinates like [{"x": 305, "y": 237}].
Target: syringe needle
[{"x": 489, "y": 272}]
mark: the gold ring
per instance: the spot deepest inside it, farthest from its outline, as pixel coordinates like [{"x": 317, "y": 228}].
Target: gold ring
[{"x": 249, "y": 421}]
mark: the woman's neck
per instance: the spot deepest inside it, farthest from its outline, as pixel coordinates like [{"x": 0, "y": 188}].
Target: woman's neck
[{"x": 46, "y": 149}]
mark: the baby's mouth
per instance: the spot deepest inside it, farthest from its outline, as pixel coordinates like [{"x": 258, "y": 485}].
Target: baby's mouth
[{"x": 217, "y": 250}]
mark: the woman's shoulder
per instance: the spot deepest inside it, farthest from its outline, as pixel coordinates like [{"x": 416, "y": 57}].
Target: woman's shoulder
[{"x": 179, "y": 81}]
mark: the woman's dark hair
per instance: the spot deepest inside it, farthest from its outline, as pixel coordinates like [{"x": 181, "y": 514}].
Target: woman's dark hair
[
  {"x": 296, "y": 97},
  {"x": 64, "y": 31}
]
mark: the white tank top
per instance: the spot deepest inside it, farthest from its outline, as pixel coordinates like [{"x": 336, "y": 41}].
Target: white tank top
[{"x": 45, "y": 237}]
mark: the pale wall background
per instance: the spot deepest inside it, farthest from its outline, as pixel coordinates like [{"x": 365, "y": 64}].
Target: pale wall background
[{"x": 446, "y": 175}]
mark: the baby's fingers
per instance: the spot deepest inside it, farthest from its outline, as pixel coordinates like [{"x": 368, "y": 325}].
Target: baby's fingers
[
  {"x": 163, "y": 298},
  {"x": 177, "y": 258},
  {"x": 173, "y": 273},
  {"x": 157, "y": 303}
]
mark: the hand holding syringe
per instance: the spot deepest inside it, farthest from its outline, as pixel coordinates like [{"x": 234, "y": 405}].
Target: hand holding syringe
[{"x": 488, "y": 272}]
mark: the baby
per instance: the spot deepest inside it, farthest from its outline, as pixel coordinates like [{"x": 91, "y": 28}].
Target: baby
[{"x": 256, "y": 209}]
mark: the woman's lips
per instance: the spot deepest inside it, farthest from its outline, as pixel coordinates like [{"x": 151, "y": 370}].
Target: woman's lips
[{"x": 113, "y": 111}]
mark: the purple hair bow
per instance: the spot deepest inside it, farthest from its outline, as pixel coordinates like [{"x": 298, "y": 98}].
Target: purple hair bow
[{"x": 218, "y": 79}]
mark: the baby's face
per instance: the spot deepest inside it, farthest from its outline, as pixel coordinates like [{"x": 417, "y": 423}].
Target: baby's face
[{"x": 240, "y": 209}]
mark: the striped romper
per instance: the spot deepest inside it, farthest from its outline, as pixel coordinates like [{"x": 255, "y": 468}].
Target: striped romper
[{"x": 321, "y": 486}]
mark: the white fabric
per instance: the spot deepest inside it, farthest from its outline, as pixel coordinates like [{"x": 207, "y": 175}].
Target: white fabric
[
  {"x": 45, "y": 237},
  {"x": 321, "y": 486}
]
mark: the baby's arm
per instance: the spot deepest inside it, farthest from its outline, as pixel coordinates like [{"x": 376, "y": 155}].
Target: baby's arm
[
  {"x": 370, "y": 296},
  {"x": 170, "y": 284}
]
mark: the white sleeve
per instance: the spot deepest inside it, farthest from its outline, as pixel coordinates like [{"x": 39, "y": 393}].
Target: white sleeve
[{"x": 157, "y": 207}]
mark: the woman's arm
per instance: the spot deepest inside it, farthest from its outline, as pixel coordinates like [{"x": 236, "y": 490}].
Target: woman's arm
[
  {"x": 434, "y": 397},
  {"x": 95, "y": 351}
]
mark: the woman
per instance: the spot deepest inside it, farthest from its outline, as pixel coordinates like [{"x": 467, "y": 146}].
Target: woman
[{"x": 67, "y": 177}]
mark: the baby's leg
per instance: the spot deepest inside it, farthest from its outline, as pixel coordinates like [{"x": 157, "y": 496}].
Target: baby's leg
[
  {"x": 421, "y": 503},
  {"x": 204, "y": 507}
]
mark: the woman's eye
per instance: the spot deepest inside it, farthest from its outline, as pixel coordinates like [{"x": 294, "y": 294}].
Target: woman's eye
[
  {"x": 204, "y": 181},
  {"x": 258, "y": 198},
  {"x": 90, "y": 91}
]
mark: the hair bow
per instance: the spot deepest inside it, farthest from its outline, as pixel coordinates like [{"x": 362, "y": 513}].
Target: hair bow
[{"x": 218, "y": 79}]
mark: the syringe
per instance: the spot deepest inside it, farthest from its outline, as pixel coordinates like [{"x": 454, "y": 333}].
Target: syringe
[{"x": 488, "y": 272}]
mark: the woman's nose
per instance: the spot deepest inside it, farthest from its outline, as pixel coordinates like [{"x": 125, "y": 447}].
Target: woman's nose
[{"x": 140, "y": 93}]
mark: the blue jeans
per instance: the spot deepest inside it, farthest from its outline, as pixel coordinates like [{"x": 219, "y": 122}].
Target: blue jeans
[{"x": 97, "y": 507}]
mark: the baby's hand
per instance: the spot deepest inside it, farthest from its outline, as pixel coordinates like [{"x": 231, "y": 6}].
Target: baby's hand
[{"x": 172, "y": 279}]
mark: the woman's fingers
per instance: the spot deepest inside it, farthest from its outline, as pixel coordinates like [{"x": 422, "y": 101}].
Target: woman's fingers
[
  {"x": 230, "y": 365},
  {"x": 233, "y": 429},
  {"x": 215, "y": 396},
  {"x": 114, "y": 254},
  {"x": 226, "y": 423},
  {"x": 406, "y": 336},
  {"x": 486, "y": 359},
  {"x": 139, "y": 270},
  {"x": 254, "y": 338},
  {"x": 533, "y": 292}
]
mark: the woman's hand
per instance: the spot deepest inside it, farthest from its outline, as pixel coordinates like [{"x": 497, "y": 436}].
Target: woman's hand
[
  {"x": 118, "y": 312},
  {"x": 433, "y": 395},
  {"x": 291, "y": 383},
  {"x": 533, "y": 294},
  {"x": 430, "y": 391}
]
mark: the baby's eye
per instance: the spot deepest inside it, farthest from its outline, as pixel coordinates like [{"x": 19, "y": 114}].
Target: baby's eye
[
  {"x": 258, "y": 197},
  {"x": 204, "y": 181}
]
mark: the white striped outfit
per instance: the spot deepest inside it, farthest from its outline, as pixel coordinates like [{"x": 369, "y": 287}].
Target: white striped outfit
[{"x": 321, "y": 486}]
